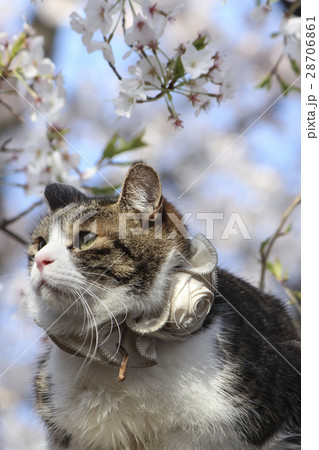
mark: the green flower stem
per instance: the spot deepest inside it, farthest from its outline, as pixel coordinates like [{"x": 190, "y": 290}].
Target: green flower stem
[
  {"x": 114, "y": 29},
  {"x": 132, "y": 8},
  {"x": 268, "y": 247},
  {"x": 12, "y": 111},
  {"x": 149, "y": 62},
  {"x": 16, "y": 75},
  {"x": 115, "y": 5},
  {"x": 164, "y": 54},
  {"x": 159, "y": 63},
  {"x": 168, "y": 106}
]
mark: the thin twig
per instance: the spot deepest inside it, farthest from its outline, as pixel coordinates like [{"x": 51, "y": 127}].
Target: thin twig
[
  {"x": 4, "y": 148},
  {"x": 13, "y": 112},
  {"x": 16, "y": 185},
  {"x": 123, "y": 20},
  {"x": 14, "y": 236},
  {"x": 152, "y": 99},
  {"x": 274, "y": 69},
  {"x": 265, "y": 252},
  {"x": 4, "y": 145},
  {"x": 115, "y": 71},
  {"x": 7, "y": 222}
]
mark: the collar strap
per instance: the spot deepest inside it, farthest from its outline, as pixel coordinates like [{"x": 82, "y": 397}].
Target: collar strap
[{"x": 134, "y": 341}]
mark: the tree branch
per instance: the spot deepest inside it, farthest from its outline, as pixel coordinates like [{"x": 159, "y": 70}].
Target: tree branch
[
  {"x": 6, "y": 222},
  {"x": 115, "y": 71},
  {"x": 14, "y": 236},
  {"x": 13, "y": 112},
  {"x": 265, "y": 252}
]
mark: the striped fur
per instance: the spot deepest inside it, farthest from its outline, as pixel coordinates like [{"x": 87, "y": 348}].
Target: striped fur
[{"x": 234, "y": 385}]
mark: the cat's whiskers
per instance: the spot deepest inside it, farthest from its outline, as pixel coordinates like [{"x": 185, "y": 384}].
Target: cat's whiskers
[
  {"x": 99, "y": 275},
  {"x": 103, "y": 288},
  {"x": 92, "y": 325},
  {"x": 111, "y": 315},
  {"x": 74, "y": 286},
  {"x": 77, "y": 290},
  {"x": 93, "y": 328}
]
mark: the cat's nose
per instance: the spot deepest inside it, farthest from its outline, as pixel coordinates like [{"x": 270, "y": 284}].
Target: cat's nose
[{"x": 43, "y": 260}]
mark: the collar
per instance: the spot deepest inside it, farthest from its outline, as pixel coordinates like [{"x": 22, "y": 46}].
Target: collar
[{"x": 133, "y": 342}]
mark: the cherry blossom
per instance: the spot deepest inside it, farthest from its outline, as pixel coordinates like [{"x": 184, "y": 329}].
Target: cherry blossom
[
  {"x": 196, "y": 62},
  {"x": 148, "y": 70},
  {"x": 36, "y": 171},
  {"x": 48, "y": 160},
  {"x": 51, "y": 98},
  {"x": 62, "y": 163},
  {"x": 291, "y": 30},
  {"x": 142, "y": 32},
  {"x": 227, "y": 89},
  {"x": 158, "y": 16},
  {"x": 199, "y": 97},
  {"x": 98, "y": 16},
  {"x": 190, "y": 62},
  {"x": 78, "y": 24},
  {"x": 107, "y": 52},
  {"x": 131, "y": 90},
  {"x": 23, "y": 60},
  {"x": 31, "y": 61},
  {"x": 147, "y": 29}
]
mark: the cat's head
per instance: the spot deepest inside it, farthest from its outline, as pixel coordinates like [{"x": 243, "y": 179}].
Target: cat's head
[{"x": 94, "y": 258}]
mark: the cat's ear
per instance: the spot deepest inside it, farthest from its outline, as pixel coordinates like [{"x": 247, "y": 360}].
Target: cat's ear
[
  {"x": 58, "y": 195},
  {"x": 142, "y": 190}
]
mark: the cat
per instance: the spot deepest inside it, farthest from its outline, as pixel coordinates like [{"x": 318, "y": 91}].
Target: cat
[{"x": 150, "y": 345}]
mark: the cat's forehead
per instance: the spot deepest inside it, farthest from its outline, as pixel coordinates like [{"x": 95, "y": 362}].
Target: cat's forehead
[{"x": 95, "y": 213}]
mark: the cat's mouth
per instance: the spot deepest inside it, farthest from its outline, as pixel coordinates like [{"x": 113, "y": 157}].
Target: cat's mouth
[{"x": 44, "y": 285}]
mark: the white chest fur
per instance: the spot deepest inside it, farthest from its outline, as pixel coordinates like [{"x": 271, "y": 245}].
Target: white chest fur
[{"x": 178, "y": 404}]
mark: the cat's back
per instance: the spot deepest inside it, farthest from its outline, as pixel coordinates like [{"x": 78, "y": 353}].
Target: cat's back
[{"x": 260, "y": 346}]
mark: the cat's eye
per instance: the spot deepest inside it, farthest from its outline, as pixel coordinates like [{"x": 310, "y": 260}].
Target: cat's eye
[
  {"x": 41, "y": 243},
  {"x": 86, "y": 238}
]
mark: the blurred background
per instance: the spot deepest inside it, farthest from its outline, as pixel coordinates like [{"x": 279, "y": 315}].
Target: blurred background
[{"x": 255, "y": 164}]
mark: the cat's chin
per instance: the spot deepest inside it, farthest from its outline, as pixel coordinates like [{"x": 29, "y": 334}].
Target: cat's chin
[
  {"x": 44, "y": 287},
  {"x": 56, "y": 298}
]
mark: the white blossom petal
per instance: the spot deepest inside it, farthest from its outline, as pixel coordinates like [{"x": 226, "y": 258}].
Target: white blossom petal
[
  {"x": 77, "y": 23},
  {"x": 149, "y": 70},
  {"x": 51, "y": 98},
  {"x": 291, "y": 30},
  {"x": 98, "y": 16},
  {"x": 196, "y": 62},
  {"x": 142, "y": 32},
  {"x": 31, "y": 60},
  {"x": 94, "y": 46},
  {"x": 131, "y": 90},
  {"x": 124, "y": 105}
]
